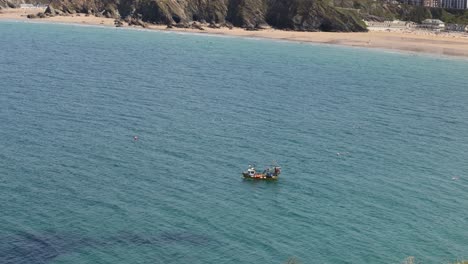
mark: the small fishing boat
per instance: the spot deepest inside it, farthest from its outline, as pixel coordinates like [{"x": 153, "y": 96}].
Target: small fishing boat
[{"x": 270, "y": 173}]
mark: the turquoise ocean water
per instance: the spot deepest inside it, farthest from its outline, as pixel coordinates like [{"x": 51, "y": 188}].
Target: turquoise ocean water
[{"x": 373, "y": 145}]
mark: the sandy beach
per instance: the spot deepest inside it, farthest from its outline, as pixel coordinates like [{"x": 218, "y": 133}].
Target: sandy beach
[{"x": 451, "y": 44}]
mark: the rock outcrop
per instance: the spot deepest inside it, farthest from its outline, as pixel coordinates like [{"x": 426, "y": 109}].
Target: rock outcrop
[
  {"x": 303, "y": 15},
  {"x": 17, "y": 3},
  {"x": 312, "y": 15},
  {"x": 7, "y": 4}
]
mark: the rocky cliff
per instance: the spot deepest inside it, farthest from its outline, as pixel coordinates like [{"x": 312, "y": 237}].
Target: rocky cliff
[
  {"x": 10, "y": 3},
  {"x": 302, "y": 15},
  {"x": 16, "y": 3}
]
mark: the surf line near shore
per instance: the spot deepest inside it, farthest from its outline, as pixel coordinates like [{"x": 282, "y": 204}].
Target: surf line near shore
[{"x": 447, "y": 44}]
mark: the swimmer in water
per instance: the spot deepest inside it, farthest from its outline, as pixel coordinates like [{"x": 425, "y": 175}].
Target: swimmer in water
[{"x": 135, "y": 138}]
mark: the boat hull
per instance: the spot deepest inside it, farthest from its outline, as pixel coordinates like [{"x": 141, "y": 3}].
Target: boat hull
[{"x": 263, "y": 177}]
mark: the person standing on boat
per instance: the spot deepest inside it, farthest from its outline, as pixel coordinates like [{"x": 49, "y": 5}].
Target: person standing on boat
[
  {"x": 251, "y": 171},
  {"x": 277, "y": 171}
]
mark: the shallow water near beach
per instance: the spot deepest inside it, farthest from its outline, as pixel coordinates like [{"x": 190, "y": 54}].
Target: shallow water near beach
[{"x": 373, "y": 147}]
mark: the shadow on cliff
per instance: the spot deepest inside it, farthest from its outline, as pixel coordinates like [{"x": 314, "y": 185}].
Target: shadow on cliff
[{"x": 300, "y": 15}]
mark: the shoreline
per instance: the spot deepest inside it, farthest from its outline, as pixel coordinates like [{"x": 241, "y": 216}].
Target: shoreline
[{"x": 416, "y": 42}]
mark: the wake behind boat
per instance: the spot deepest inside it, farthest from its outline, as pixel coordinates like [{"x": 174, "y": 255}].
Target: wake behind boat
[{"x": 270, "y": 173}]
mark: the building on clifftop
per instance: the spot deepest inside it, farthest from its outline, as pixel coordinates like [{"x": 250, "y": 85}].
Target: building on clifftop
[
  {"x": 455, "y": 4},
  {"x": 431, "y": 3},
  {"x": 413, "y": 2}
]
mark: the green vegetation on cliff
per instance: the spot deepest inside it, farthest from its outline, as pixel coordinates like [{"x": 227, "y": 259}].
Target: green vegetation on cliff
[
  {"x": 317, "y": 15},
  {"x": 299, "y": 15},
  {"x": 379, "y": 10},
  {"x": 303, "y": 15}
]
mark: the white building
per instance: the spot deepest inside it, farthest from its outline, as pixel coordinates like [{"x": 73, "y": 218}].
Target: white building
[
  {"x": 456, "y": 27},
  {"x": 26, "y": 6},
  {"x": 32, "y": 6},
  {"x": 395, "y": 24},
  {"x": 455, "y": 4},
  {"x": 413, "y": 2},
  {"x": 433, "y": 24}
]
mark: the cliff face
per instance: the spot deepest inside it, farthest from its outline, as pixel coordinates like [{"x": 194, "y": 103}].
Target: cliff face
[
  {"x": 10, "y": 3},
  {"x": 312, "y": 15},
  {"x": 16, "y": 3},
  {"x": 303, "y": 15}
]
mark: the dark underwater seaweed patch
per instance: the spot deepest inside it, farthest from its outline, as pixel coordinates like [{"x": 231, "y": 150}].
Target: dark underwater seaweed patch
[
  {"x": 26, "y": 247},
  {"x": 42, "y": 248},
  {"x": 185, "y": 237}
]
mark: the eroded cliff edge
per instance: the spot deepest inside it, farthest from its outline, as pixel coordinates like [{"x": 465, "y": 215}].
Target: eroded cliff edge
[{"x": 301, "y": 15}]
